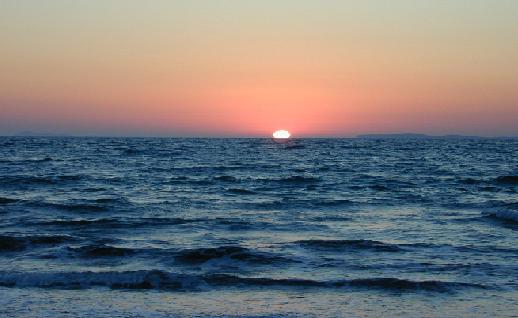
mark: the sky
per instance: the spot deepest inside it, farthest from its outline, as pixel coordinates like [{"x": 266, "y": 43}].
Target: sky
[{"x": 247, "y": 68}]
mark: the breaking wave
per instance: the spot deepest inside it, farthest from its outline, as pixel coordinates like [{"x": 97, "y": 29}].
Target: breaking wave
[{"x": 157, "y": 279}]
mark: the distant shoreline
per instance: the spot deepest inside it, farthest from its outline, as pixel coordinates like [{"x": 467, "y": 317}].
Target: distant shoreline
[{"x": 422, "y": 136}]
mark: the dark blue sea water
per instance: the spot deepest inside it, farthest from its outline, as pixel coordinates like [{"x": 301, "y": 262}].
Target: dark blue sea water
[{"x": 160, "y": 227}]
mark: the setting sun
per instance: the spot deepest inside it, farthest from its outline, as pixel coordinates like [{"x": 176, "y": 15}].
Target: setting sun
[{"x": 281, "y": 134}]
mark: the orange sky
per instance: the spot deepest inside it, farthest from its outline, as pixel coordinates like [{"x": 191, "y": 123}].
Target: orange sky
[{"x": 246, "y": 68}]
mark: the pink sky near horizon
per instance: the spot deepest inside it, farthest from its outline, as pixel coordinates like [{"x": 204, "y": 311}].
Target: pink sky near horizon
[{"x": 245, "y": 68}]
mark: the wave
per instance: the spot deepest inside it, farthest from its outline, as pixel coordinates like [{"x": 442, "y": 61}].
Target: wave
[
  {"x": 120, "y": 223},
  {"x": 228, "y": 254},
  {"x": 293, "y": 179},
  {"x": 178, "y": 178},
  {"x": 115, "y": 200},
  {"x": 187, "y": 180},
  {"x": 10, "y": 180},
  {"x": 43, "y": 159},
  {"x": 266, "y": 205},
  {"x": 102, "y": 251},
  {"x": 471, "y": 181},
  {"x": 333, "y": 202},
  {"x": 387, "y": 283},
  {"x": 75, "y": 207},
  {"x": 235, "y": 224},
  {"x": 132, "y": 151},
  {"x": 299, "y": 203},
  {"x": 37, "y": 180},
  {"x": 491, "y": 205},
  {"x": 4, "y": 200},
  {"x": 507, "y": 215},
  {"x": 240, "y": 191},
  {"x": 26, "y": 160},
  {"x": 510, "y": 205},
  {"x": 239, "y": 224},
  {"x": 507, "y": 180},
  {"x": 202, "y": 255},
  {"x": 127, "y": 280},
  {"x": 349, "y": 244},
  {"x": 93, "y": 205},
  {"x": 157, "y": 279},
  {"x": 35, "y": 160},
  {"x": 488, "y": 189},
  {"x": 79, "y": 222},
  {"x": 18, "y": 243},
  {"x": 189, "y": 170},
  {"x": 331, "y": 218},
  {"x": 379, "y": 187},
  {"x": 225, "y": 178},
  {"x": 405, "y": 284},
  {"x": 299, "y": 179},
  {"x": 294, "y": 147}
]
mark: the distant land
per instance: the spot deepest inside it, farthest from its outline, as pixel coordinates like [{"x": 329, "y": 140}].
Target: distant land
[{"x": 416, "y": 136}]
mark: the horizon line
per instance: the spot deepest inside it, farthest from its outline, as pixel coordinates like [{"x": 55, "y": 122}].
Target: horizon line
[{"x": 357, "y": 136}]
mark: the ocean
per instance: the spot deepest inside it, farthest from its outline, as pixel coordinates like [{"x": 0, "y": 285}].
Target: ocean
[{"x": 192, "y": 227}]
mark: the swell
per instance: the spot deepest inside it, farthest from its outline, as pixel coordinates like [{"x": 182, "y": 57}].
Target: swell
[
  {"x": 130, "y": 223},
  {"x": 93, "y": 205},
  {"x": 232, "y": 253},
  {"x": 237, "y": 224},
  {"x": 92, "y": 251},
  {"x": 349, "y": 244},
  {"x": 21, "y": 161},
  {"x": 331, "y": 218},
  {"x": 504, "y": 215},
  {"x": 161, "y": 280},
  {"x": 471, "y": 181},
  {"x": 299, "y": 203},
  {"x": 117, "y": 222},
  {"x": 18, "y": 243},
  {"x": 500, "y": 180},
  {"x": 189, "y": 181},
  {"x": 293, "y": 179},
  {"x": 4, "y": 200},
  {"x": 225, "y": 178},
  {"x": 377, "y": 246},
  {"x": 241, "y": 191},
  {"x": 386, "y": 283},
  {"x": 74, "y": 207},
  {"x": 38, "y": 180},
  {"x": 196, "y": 256},
  {"x": 511, "y": 179}
]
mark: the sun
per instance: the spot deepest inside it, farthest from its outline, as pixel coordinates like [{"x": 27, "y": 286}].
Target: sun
[{"x": 281, "y": 134}]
